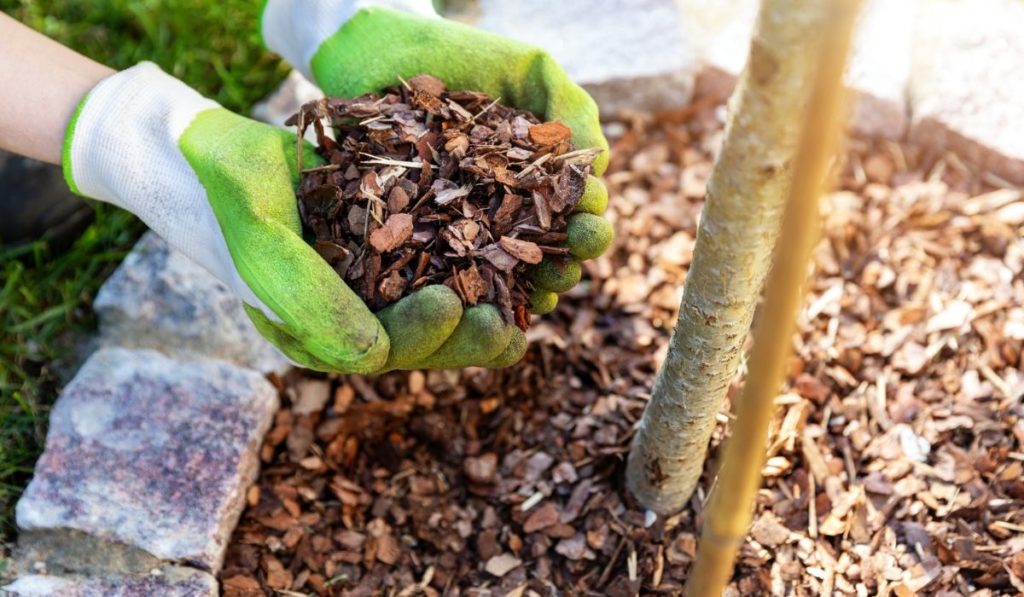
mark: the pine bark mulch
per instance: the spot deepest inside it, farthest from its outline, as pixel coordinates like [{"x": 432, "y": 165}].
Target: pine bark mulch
[
  {"x": 896, "y": 457},
  {"x": 424, "y": 185}
]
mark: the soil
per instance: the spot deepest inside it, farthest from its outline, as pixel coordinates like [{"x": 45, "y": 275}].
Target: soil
[{"x": 895, "y": 460}]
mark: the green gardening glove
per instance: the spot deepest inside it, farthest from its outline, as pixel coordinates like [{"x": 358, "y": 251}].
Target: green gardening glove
[
  {"x": 220, "y": 188},
  {"x": 353, "y": 47}
]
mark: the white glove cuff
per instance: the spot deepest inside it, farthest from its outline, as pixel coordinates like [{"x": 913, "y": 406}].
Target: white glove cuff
[
  {"x": 124, "y": 139},
  {"x": 122, "y": 148},
  {"x": 296, "y": 29}
]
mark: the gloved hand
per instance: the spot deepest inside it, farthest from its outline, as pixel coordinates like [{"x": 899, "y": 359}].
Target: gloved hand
[
  {"x": 220, "y": 188},
  {"x": 353, "y": 47}
]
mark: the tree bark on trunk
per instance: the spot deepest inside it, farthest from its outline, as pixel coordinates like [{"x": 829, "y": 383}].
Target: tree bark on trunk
[
  {"x": 735, "y": 239},
  {"x": 729, "y": 508}
]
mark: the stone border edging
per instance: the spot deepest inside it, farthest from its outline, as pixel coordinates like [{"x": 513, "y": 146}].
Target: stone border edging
[{"x": 154, "y": 441}]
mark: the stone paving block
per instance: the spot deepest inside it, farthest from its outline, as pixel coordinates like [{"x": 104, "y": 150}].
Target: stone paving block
[
  {"x": 160, "y": 299},
  {"x": 70, "y": 553},
  {"x": 879, "y": 67},
  {"x": 153, "y": 453},
  {"x": 169, "y": 582},
  {"x": 629, "y": 54},
  {"x": 967, "y": 88}
]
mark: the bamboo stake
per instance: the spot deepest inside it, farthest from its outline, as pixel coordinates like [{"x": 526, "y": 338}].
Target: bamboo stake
[{"x": 731, "y": 503}]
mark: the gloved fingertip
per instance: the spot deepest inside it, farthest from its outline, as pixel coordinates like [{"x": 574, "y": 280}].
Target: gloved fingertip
[
  {"x": 580, "y": 109},
  {"x": 419, "y": 324},
  {"x": 600, "y": 163},
  {"x": 543, "y": 302},
  {"x": 480, "y": 337},
  {"x": 595, "y": 197},
  {"x": 556, "y": 274},
  {"x": 513, "y": 353},
  {"x": 589, "y": 236}
]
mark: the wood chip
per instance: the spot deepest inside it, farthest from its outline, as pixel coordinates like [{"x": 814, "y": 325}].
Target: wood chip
[
  {"x": 501, "y": 565},
  {"x": 396, "y": 230},
  {"x": 550, "y": 133},
  {"x": 541, "y": 518},
  {"x": 498, "y": 257},
  {"x": 522, "y": 250},
  {"x": 482, "y": 469}
]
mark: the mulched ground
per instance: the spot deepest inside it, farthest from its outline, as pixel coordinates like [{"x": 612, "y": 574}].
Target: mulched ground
[{"x": 896, "y": 457}]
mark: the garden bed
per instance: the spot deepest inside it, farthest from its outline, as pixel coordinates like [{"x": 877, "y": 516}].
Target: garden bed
[{"x": 896, "y": 456}]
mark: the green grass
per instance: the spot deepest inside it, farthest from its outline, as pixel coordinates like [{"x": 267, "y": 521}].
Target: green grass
[
  {"x": 45, "y": 298},
  {"x": 44, "y": 302}
]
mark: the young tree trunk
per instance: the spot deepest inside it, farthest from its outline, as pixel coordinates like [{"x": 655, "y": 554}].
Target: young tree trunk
[
  {"x": 729, "y": 508},
  {"x": 735, "y": 239}
]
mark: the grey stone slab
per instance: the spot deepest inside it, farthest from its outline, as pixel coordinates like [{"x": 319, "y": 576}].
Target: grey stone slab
[
  {"x": 967, "y": 84},
  {"x": 171, "y": 581},
  {"x": 68, "y": 552},
  {"x": 160, "y": 299},
  {"x": 153, "y": 453},
  {"x": 878, "y": 72},
  {"x": 629, "y": 54}
]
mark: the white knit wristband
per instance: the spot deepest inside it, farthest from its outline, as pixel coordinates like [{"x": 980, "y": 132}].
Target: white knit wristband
[{"x": 296, "y": 29}]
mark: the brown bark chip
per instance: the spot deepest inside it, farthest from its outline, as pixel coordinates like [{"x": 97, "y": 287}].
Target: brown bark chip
[
  {"x": 550, "y": 133},
  {"x": 242, "y": 586},
  {"x": 502, "y": 564},
  {"x": 471, "y": 286},
  {"x": 522, "y": 250},
  {"x": 542, "y": 518},
  {"x": 482, "y": 469},
  {"x": 395, "y": 231},
  {"x": 420, "y": 183}
]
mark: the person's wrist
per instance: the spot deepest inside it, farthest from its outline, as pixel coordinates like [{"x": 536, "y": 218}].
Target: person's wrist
[{"x": 297, "y": 30}]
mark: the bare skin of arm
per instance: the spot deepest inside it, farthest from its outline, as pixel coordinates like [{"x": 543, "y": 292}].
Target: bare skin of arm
[{"x": 41, "y": 83}]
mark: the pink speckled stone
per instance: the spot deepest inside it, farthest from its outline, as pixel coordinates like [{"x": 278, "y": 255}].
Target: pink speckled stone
[
  {"x": 183, "y": 582},
  {"x": 153, "y": 453}
]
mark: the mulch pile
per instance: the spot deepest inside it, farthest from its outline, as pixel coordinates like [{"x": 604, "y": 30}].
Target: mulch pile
[
  {"x": 428, "y": 186},
  {"x": 896, "y": 457}
]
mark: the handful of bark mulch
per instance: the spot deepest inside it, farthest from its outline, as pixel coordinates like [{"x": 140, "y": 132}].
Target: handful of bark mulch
[{"x": 424, "y": 186}]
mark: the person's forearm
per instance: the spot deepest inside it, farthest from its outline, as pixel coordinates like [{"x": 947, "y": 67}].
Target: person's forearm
[{"x": 41, "y": 82}]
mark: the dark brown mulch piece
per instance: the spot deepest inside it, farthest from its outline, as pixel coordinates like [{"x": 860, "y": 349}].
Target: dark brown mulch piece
[
  {"x": 426, "y": 186},
  {"x": 896, "y": 456}
]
